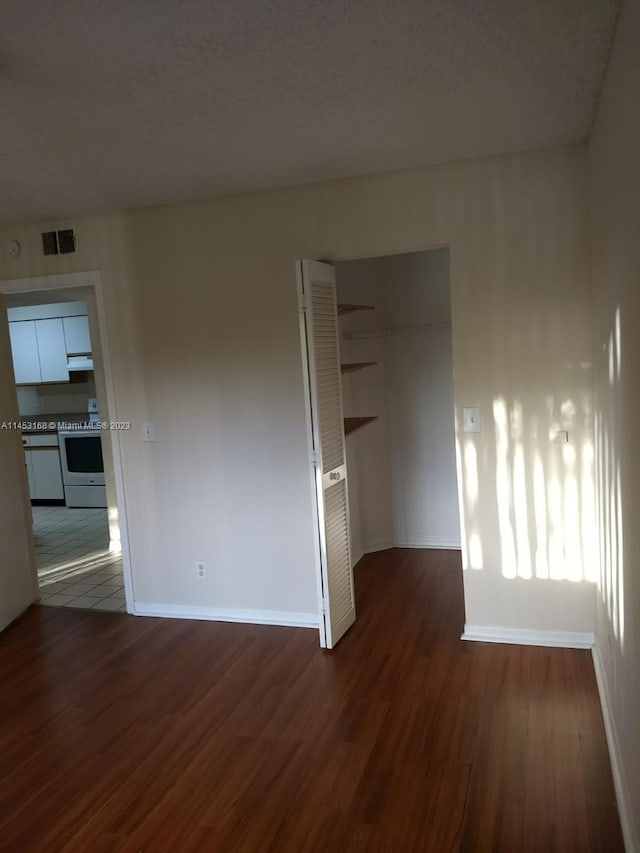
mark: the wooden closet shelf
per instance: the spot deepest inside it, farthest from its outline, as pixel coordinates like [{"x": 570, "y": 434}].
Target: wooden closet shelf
[
  {"x": 352, "y": 424},
  {"x": 359, "y": 365},
  {"x": 347, "y": 308}
]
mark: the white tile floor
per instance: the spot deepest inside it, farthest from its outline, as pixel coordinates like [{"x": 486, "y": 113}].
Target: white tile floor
[{"x": 75, "y": 566}]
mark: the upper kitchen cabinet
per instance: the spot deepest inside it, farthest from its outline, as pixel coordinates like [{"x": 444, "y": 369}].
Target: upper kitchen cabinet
[
  {"x": 24, "y": 349},
  {"x": 76, "y": 335},
  {"x": 52, "y": 350},
  {"x": 39, "y": 351}
]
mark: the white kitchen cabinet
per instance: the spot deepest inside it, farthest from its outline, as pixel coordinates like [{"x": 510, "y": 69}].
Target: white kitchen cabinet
[
  {"x": 52, "y": 350},
  {"x": 39, "y": 351},
  {"x": 24, "y": 349},
  {"x": 43, "y": 467},
  {"x": 76, "y": 335}
]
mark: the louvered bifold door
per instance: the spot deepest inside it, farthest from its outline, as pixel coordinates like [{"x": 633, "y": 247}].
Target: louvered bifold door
[{"x": 318, "y": 303}]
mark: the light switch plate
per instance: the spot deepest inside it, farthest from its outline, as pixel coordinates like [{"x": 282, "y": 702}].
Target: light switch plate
[
  {"x": 471, "y": 419},
  {"x": 148, "y": 431}
]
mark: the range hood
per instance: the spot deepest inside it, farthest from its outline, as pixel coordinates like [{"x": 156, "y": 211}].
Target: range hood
[{"x": 79, "y": 362}]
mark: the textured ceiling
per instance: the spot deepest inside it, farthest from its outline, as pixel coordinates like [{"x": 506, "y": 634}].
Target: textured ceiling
[{"x": 122, "y": 103}]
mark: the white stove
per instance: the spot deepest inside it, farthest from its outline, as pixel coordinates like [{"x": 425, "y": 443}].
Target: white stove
[{"x": 82, "y": 462}]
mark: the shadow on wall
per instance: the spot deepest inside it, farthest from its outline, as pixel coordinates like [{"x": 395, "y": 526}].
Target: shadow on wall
[
  {"x": 544, "y": 488},
  {"x": 609, "y": 505}
]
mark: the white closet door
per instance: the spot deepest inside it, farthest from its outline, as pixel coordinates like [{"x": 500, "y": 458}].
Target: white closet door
[{"x": 319, "y": 327}]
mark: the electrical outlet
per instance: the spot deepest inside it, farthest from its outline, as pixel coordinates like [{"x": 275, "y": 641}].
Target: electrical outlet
[
  {"x": 38, "y": 403},
  {"x": 74, "y": 399},
  {"x": 201, "y": 569}
]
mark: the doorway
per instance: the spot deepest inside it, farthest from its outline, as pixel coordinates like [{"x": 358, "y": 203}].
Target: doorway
[
  {"x": 65, "y": 404},
  {"x": 396, "y": 354},
  {"x": 377, "y": 351}
]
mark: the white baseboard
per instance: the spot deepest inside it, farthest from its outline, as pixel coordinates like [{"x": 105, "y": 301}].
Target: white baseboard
[
  {"x": 524, "y": 637},
  {"x": 428, "y": 542},
  {"x": 411, "y": 542},
  {"x": 625, "y": 811},
  {"x": 223, "y": 614}
]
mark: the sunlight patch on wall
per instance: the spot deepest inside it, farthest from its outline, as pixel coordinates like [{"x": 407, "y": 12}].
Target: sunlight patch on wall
[
  {"x": 464, "y": 544},
  {"x": 571, "y": 511},
  {"x": 521, "y": 513},
  {"x": 503, "y": 489},
  {"x": 471, "y": 473},
  {"x": 556, "y": 525},
  {"x": 618, "y": 342},
  {"x": 588, "y": 514},
  {"x": 468, "y": 496},
  {"x": 475, "y": 551},
  {"x": 545, "y": 490},
  {"x": 540, "y": 506},
  {"x": 609, "y": 487}
]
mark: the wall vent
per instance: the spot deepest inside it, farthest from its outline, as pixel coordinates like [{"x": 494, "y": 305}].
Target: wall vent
[
  {"x": 50, "y": 243},
  {"x": 59, "y": 242}
]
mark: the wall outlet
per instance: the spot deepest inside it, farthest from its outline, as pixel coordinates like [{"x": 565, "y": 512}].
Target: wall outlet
[
  {"x": 201, "y": 569},
  {"x": 38, "y": 403}
]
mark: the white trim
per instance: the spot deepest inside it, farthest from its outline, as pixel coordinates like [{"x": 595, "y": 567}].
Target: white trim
[
  {"x": 92, "y": 280},
  {"x": 225, "y": 614},
  {"x": 50, "y": 282},
  {"x": 428, "y": 542},
  {"x": 625, "y": 811},
  {"x": 526, "y": 637},
  {"x": 411, "y": 542}
]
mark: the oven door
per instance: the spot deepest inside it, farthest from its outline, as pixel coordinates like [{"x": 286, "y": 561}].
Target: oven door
[{"x": 81, "y": 458}]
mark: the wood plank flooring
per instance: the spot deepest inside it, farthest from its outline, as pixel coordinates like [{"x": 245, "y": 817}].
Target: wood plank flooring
[{"x": 137, "y": 734}]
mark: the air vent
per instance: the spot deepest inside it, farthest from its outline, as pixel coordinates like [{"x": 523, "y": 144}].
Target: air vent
[
  {"x": 50, "y": 243},
  {"x": 66, "y": 241},
  {"x": 59, "y": 242}
]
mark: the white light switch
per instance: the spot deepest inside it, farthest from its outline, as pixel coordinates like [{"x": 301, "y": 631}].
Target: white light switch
[
  {"x": 148, "y": 431},
  {"x": 471, "y": 420}
]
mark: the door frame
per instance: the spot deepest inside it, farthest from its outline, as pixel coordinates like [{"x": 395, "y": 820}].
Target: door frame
[
  {"x": 93, "y": 281},
  {"x": 336, "y": 259}
]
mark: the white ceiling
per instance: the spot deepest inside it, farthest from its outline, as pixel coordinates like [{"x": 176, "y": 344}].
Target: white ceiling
[{"x": 122, "y": 103}]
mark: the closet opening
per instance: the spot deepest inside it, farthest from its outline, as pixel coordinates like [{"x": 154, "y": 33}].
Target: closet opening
[
  {"x": 394, "y": 315},
  {"x": 376, "y": 338}
]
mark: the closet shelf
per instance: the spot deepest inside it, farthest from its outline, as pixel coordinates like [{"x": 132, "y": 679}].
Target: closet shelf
[
  {"x": 356, "y": 365},
  {"x": 352, "y": 424},
  {"x": 347, "y": 308}
]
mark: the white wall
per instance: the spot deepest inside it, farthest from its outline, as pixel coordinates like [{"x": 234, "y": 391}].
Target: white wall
[
  {"x": 403, "y": 465},
  {"x": 615, "y": 192},
  {"x": 18, "y": 583},
  {"x": 201, "y": 309}
]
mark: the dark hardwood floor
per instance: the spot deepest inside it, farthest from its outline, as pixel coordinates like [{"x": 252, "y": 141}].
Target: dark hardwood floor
[{"x": 136, "y": 734}]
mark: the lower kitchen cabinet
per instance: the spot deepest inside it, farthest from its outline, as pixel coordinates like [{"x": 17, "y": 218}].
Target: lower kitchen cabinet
[{"x": 43, "y": 467}]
